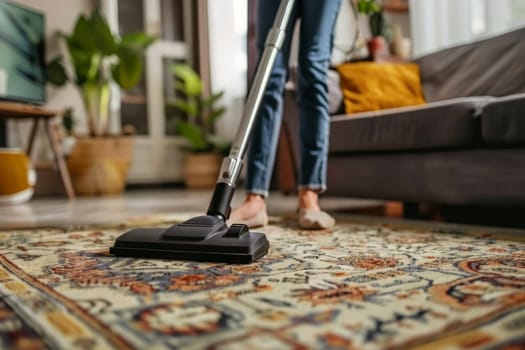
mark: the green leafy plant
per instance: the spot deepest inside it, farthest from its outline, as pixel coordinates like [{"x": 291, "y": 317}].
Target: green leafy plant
[
  {"x": 97, "y": 58},
  {"x": 376, "y": 17},
  {"x": 368, "y": 7},
  {"x": 378, "y": 26},
  {"x": 201, "y": 112}
]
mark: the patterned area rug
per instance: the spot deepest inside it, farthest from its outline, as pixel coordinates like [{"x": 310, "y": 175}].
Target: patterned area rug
[{"x": 363, "y": 285}]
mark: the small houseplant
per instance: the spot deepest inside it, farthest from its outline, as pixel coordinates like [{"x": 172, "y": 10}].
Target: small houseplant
[
  {"x": 95, "y": 58},
  {"x": 203, "y": 149},
  {"x": 377, "y": 23}
]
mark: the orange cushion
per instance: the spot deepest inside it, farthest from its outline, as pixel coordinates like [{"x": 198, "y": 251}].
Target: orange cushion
[{"x": 369, "y": 86}]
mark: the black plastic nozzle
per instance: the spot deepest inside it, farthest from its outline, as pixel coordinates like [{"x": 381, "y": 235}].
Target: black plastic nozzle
[{"x": 221, "y": 200}]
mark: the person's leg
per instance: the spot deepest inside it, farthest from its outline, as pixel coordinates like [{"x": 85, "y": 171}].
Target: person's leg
[
  {"x": 317, "y": 24},
  {"x": 265, "y": 133}
]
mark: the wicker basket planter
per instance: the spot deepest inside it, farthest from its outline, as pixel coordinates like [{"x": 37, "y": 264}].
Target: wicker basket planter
[
  {"x": 201, "y": 170},
  {"x": 100, "y": 165}
]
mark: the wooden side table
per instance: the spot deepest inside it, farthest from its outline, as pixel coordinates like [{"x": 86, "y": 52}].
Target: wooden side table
[{"x": 19, "y": 111}]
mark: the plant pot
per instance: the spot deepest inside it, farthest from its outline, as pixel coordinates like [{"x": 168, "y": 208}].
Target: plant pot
[
  {"x": 201, "y": 170},
  {"x": 100, "y": 165},
  {"x": 376, "y": 46},
  {"x": 17, "y": 177}
]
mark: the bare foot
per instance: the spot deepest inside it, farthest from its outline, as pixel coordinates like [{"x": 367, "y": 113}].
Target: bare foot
[
  {"x": 310, "y": 214},
  {"x": 252, "y": 212}
]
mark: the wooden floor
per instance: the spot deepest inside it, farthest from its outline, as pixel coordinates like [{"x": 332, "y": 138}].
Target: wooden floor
[
  {"x": 58, "y": 211},
  {"x": 139, "y": 203}
]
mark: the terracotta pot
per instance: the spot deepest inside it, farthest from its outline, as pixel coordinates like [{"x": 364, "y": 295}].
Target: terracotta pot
[
  {"x": 201, "y": 170},
  {"x": 100, "y": 165},
  {"x": 376, "y": 46}
]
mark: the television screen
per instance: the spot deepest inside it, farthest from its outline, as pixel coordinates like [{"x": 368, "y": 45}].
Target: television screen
[{"x": 22, "y": 52}]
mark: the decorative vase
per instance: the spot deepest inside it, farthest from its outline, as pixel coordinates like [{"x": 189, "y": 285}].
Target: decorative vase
[
  {"x": 17, "y": 177},
  {"x": 201, "y": 170}
]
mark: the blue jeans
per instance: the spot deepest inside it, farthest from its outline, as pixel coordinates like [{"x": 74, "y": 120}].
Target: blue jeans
[{"x": 315, "y": 47}]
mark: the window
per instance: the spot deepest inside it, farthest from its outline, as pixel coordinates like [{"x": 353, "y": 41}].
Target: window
[{"x": 478, "y": 19}]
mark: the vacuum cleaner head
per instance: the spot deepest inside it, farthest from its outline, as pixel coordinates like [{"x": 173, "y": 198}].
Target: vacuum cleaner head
[{"x": 203, "y": 238}]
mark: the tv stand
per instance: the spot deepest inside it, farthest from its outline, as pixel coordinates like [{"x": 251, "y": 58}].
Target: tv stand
[{"x": 20, "y": 111}]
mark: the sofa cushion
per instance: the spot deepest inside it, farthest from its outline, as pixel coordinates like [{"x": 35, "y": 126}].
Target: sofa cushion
[
  {"x": 445, "y": 124},
  {"x": 503, "y": 121},
  {"x": 491, "y": 67},
  {"x": 335, "y": 95},
  {"x": 369, "y": 86}
]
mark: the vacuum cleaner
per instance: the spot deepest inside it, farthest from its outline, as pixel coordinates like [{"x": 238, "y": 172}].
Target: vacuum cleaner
[{"x": 208, "y": 237}]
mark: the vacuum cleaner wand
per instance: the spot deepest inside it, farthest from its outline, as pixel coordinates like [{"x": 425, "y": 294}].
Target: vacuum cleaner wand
[
  {"x": 208, "y": 237},
  {"x": 232, "y": 165}
]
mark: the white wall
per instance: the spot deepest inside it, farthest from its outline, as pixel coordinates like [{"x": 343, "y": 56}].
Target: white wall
[{"x": 59, "y": 15}]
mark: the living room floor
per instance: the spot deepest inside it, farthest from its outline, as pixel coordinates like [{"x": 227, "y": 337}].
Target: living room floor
[{"x": 136, "y": 203}]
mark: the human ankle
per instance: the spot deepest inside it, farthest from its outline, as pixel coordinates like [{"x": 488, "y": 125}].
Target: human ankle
[
  {"x": 308, "y": 199},
  {"x": 254, "y": 198}
]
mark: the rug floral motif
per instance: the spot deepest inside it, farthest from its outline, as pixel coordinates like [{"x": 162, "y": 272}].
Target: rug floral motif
[{"x": 363, "y": 285}]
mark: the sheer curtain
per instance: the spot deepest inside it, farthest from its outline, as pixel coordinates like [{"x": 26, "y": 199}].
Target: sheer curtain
[
  {"x": 437, "y": 24},
  {"x": 228, "y": 59}
]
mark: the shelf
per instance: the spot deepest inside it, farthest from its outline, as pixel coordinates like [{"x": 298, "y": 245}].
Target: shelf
[{"x": 396, "y": 6}]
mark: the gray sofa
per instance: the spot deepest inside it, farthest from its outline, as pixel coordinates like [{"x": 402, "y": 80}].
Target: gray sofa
[{"x": 466, "y": 146}]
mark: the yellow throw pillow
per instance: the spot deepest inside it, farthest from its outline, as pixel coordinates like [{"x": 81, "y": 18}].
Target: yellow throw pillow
[{"x": 369, "y": 86}]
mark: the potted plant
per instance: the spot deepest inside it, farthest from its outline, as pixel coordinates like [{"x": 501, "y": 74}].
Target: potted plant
[
  {"x": 96, "y": 59},
  {"x": 203, "y": 149},
  {"x": 377, "y": 23}
]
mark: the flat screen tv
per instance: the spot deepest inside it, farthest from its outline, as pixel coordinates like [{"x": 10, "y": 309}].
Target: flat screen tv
[{"x": 22, "y": 54}]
